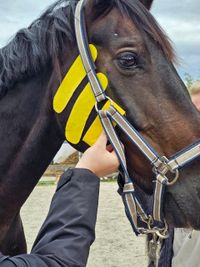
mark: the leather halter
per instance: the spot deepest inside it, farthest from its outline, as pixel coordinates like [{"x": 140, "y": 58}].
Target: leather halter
[{"x": 162, "y": 166}]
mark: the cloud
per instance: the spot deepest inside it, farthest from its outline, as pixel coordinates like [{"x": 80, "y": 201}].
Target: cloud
[
  {"x": 18, "y": 14},
  {"x": 185, "y": 9},
  {"x": 180, "y": 19}
]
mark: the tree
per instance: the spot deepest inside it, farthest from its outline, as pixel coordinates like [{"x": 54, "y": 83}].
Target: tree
[{"x": 188, "y": 80}]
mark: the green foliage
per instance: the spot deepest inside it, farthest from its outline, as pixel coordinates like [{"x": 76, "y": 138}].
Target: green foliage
[
  {"x": 188, "y": 80},
  {"x": 191, "y": 83}
]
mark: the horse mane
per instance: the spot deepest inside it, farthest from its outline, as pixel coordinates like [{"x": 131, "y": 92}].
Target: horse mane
[
  {"x": 42, "y": 42},
  {"x": 34, "y": 47}
]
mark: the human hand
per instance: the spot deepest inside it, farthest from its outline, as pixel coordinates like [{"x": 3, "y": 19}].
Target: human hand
[{"x": 100, "y": 158}]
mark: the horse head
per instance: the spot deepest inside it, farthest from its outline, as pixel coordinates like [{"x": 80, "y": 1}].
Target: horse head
[{"x": 138, "y": 59}]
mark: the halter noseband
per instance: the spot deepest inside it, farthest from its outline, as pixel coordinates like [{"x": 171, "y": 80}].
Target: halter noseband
[{"x": 141, "y": 221}]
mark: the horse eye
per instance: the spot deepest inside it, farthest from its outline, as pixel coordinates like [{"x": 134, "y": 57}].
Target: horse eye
[{"x": 127, "y": 60}]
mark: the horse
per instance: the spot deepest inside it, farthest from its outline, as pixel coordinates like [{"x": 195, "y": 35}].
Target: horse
[{"x": 138, "y": 59}]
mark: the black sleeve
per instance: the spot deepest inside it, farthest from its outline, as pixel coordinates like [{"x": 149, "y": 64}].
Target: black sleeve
[{"x": 69, "y": 229}]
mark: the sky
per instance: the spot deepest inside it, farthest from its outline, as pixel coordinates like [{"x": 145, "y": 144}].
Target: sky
[{"x": 180, "y": 19}]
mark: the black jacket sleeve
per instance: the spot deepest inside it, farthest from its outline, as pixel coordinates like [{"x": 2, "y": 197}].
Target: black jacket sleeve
[{"x": 69, "y": 229}]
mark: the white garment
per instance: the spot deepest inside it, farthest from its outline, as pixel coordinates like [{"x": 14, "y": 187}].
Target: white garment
[{"x": 186, "y": 248}]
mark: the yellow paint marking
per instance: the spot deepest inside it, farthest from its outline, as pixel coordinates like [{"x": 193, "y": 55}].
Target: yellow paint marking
[
  {"x": 96, "y": 128},
  {"x": 81, "y": 111},
  {"x": 72, "y": 80}
]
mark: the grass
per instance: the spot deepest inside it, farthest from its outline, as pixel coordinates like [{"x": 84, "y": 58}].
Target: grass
[{"x": 46, "y": 183}]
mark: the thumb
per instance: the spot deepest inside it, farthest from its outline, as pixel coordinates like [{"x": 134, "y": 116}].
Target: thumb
[{"x": 102, "y": 140}]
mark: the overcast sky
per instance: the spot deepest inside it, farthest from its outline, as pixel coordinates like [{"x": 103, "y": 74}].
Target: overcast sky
[{"x": 180, "y": 19}]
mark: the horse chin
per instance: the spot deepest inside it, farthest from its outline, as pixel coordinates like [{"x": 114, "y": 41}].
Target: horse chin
[{"x": 174, "y": 215}]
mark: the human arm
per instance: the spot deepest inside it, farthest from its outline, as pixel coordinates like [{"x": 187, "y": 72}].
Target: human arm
[{"x": 69, "y": 230}]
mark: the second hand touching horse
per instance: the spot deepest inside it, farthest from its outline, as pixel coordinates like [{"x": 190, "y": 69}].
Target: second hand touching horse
[{"x": 137, "y": 58}]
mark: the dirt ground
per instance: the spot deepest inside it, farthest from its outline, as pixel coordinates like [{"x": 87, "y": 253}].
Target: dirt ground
[{"x": 115, "y": 245}]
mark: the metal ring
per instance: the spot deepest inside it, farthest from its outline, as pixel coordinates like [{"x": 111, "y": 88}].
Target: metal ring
[
  {"x": 106, "y": 98},
  {"x": 150, "y": 222},
  {"x": 175, "y": 178},
  {"x": 96, "y": 107},
  {"x": 162, "y": 235}
]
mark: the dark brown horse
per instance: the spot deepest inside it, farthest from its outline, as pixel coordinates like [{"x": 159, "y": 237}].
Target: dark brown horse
[{"x": 138, "y": 60}]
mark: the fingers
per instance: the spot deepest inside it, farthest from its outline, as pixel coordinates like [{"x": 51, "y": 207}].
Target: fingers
[
  {"x": 102, "y": 140},
  {"x": 115, "y": 160}
]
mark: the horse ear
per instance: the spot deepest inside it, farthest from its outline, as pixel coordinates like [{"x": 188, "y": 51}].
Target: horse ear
[{"x": 147, "y": 3}]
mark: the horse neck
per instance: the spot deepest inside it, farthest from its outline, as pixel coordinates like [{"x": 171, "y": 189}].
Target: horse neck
[{"x": 29, "y": 137}]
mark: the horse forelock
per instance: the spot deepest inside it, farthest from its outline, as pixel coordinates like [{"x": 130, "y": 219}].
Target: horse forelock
[
  {"x": 37, "y": 46},
  {"x": 141, "y": 18}
]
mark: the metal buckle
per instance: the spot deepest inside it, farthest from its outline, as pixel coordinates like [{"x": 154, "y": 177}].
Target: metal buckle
[
  {"x": 163, "y": 169},
  {"x": 162, "y": 233},
  {"x": 157, "y": 232}
]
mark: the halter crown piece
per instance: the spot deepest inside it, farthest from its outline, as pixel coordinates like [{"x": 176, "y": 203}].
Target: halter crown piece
[{"x": 142, "y": 222}]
